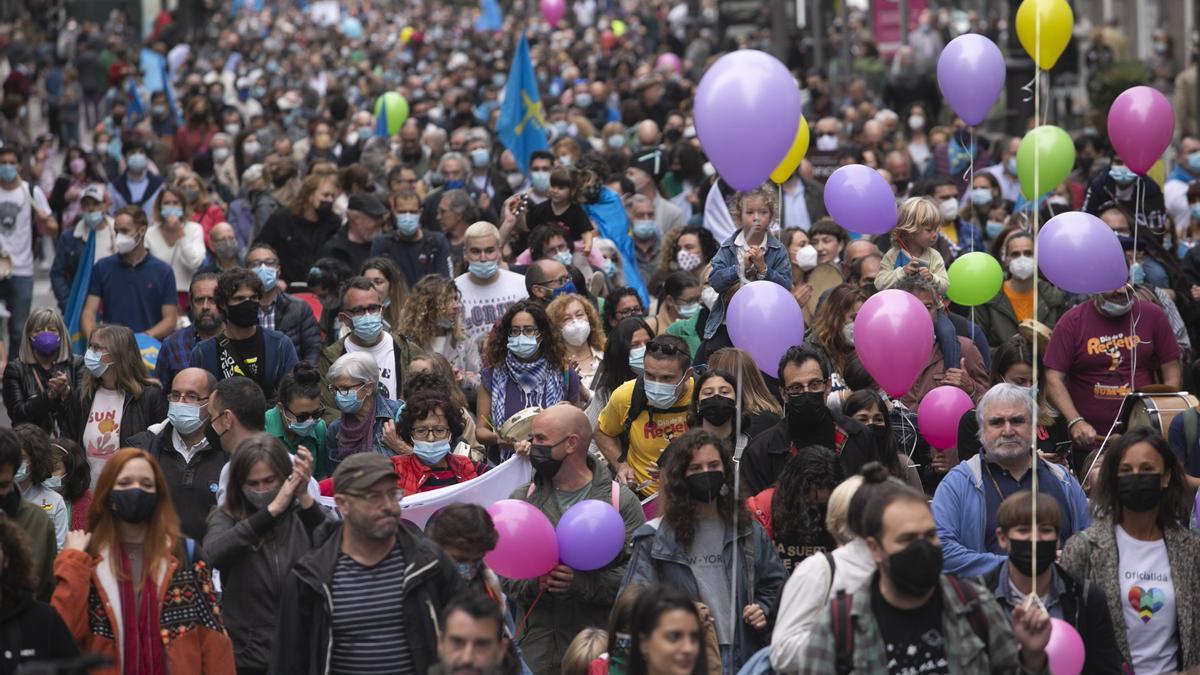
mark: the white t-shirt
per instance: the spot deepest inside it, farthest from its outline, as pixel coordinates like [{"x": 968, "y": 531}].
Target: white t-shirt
[
  {"x": 53, "y": 505},
  {"x": 384, "y": 353},
  {"x": 16, "y": 225},
  {"x": 1147, "y": 603},
  {"x": 483, "y": 305},
  {"x": 102, "y": 432},
  {"x": 184, "y": 256}
]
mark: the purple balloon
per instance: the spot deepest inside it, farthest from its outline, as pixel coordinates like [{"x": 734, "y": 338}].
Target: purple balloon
[
  {"x": 971, "y": 74},
  {"x": 893, "y": 336},
  {"x": 860, "y": 200},
  {"x": 590, "y": 535},
  {"x": 746, "y": 108},
  {"x": 1079, "y": 253},
  {"x": 1140, "y": 124},
  {"x": 764, "y": 319}
]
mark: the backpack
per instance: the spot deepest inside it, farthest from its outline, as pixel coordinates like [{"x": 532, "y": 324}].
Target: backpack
[
  {"x": 843, "y": 621},
  {"x": 637, "y": 405}
]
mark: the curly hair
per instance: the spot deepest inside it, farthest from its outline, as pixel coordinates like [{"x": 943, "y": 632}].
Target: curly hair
[
  {"x": 18, "y": 580},
  {"x": 614, "y": 298},
  {"x": 421, "y": 312},
  {"x": 549, "y": 344},
  {"x": 767, "y": 192},
  {"x": 557, "y": 310},
  {"x": 827, "y": 324},
  {"x": 36, "y": 444},
  {"x": 678, "y": 510},
  {"x": 231, "y": 280},
  {"x": 810, "y": 470},
  {"x": 425, "y": 403},
  {"x": 670, "y": 247},
  {"x": 467, "y": 527}
]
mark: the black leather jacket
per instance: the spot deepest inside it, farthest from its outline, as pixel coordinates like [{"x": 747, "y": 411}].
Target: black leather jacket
[{"x": 24, "y": 397}]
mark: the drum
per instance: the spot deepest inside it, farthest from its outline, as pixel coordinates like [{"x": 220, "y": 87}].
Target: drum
[
  {"x": 518, "y": 426},
  {"x": 822, "y": 278},
  {"x": 1155, "y": 410}
]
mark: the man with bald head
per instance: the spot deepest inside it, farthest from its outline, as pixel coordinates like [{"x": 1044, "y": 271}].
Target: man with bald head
[
  {"x": 648, "y": 134},
  {"x": 546, "y": 279},
  {"x": 860, "y": 248},
  {"x": 900, "y": 166},
  {"x": 564, "y": 474}
]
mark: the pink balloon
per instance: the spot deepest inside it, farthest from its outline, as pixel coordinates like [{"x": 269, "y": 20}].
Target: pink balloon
[
  {"x": 527, "y": 547},
  {"x": 764, "y": 319},
  {"x": 670, "y": 61},
  {"x": 1065, "y": 649},
  {"x": 939, "y": 413},
  {"x": 893, "y": 336},
  {"x": 1140, "y": 124},
  {"x": 553, "y": 10}
]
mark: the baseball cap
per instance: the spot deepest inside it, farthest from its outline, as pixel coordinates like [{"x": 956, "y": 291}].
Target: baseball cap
[
  {"x": 368, "y": 204},
  {"x": 94, "y": 191},
  {"x": 358, "y": 472}
]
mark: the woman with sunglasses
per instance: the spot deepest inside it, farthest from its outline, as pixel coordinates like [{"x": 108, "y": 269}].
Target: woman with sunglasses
[
  {"x": 433, "y": 426},
  {"x": 296, "y": 418}
]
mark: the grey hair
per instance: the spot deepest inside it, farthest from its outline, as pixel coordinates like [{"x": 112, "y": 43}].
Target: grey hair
[
  {"x": 1004, "y": 393},
  {"x": 358, "y": 366},
  {"x": 461, "y": 203},
  {"x": 636, "y": 199},
  {"x": 479, "y": 134},
  {"x": 457, "y": 156},
  {"x": 915, "y": 284}
]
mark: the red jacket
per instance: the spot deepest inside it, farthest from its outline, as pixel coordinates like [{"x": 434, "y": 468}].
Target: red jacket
[
  {"x": 760, "y": 508},
  {"x": 412, "y": 474},
  {"x": 190, "y": 141}
]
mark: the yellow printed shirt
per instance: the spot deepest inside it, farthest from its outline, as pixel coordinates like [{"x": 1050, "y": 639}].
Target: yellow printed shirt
[{"x": 649, "y": 434}]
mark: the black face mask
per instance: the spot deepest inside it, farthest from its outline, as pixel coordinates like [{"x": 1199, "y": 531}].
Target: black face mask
[
  {"x": 882, "y": 434},
  {"x": 915, "y": 570},
  {"x": 809, "y": 420},
  {"x": 325, "y": 209},
  {"x": 706, "y": 486},
  {"x": 716, "y": 410},
  {"x": 11, "y": 503},
  {"x": 243, "y": 315},
  {"x": 1140, "y": 492},
  {"x": 1021, "y": 555},
  {"x": 134, "y": 505},
  {"x": 544, "y": 464}
]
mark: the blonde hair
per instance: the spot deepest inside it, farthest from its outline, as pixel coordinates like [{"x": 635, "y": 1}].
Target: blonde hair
[
  {"x": 837, "y": 512},
  {"x": 914, "y": 215},
  {"x": 756, "y": 398},
  {"x": 480, "y": 229},
  {"x": 587, "y": 646},
  {"x": 127, "y": 363},
  {"x": 765, "y": 191},
  {"x": 40, "y": 319}
]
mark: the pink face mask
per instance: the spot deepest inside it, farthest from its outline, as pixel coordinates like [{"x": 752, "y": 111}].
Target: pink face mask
[{"x": 78, "y": 165}]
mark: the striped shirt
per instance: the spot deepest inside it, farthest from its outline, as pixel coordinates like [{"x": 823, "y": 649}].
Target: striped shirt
[{"x": 368, "y": 617}]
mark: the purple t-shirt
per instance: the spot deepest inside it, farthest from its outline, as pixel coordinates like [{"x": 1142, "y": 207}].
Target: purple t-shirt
[
  {"x": 1094, "y": 351},
  {"x": 514, "y": 398}
]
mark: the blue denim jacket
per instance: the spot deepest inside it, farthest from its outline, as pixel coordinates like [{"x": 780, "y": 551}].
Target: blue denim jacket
[{"x": 724, "y": 275}]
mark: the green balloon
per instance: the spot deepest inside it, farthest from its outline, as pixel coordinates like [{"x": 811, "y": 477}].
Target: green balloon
[
  {"x": 975, "y": 278},
  {"x": 1056, "y": 154},
  {"x": 396, "y": 108}
]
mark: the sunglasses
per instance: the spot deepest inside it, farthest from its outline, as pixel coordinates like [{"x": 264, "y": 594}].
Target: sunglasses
[{"x": 664, "y": 349}]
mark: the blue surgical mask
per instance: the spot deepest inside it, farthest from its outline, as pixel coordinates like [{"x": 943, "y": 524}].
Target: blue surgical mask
[
  {"x": 479, "y": 158},
  {"x": 994, "y": 228},
  {"x": 8, "y": 173},
  {"x": 93, "y": 218},
  {"x": 637, "y": 359},
  {"x": 565, "y": 289},
  {"x": 981, "y": 196},
  {"x": 1193, "y": 162},
  {"x": 453, "y": 184},
  {"x": 185, "y": 417},
  {"x": 616, "y": 141},
  {"x": 365, "y": 133},
  {"x": 540, "y": 180},
  {"x": 431, "y": 453},
  {"x": 661, "y": 395},
  {"x": 260, "y": 92},
  {"x": 303, "y": 428},
  {"x": 53, "y": 483},
  {"x": 368, "y": 326},
  {"x": 645, "y": 229},
  {"x": 484, "y": 269},
  {"x": 1137, "y": 274},
  {"x": 564, "y": 257},
  {"x": 610, "y": 267},
  {"x": 136, "y": 162},
  {"x": 1122, "y": 175},
  {"x": 407, "y": 223},
  {"x": 1011, "y": 166},
  {"x": 523, "y": 346},
  {"x": 348, "y": 401},
  {"x": 22, "y": 473},
  {"x": 689, "y": 310},
  {"x": 92, "y": 361},
  {"x": 584, "y": 100},
  {"x": 268, "y": 276},
  {"x": 172, "y": 212}
]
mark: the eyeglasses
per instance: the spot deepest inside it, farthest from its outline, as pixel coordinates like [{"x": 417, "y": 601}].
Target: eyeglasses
[
  {"x": 555, "y": 283},
  {"x": 653, "y": 347},
  {"x": 364, "y": 309},
  {"x": 189, "y": 397},
  {"x": 629, "y": 313},
  {"x": 304, "y": 417},
  {"x": 345, "y": 392},
  {"x": 527, "y": 331},
  {"x": 999, "y": 422},
  {"x": 813, "y": 387},
  {"x": 430, "y": 433},
  {"x": 377, "y": 498},
  {"x": 269, "y": 262}
]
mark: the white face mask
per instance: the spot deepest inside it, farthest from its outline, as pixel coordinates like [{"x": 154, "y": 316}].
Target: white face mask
[
  {"x": 576, "y": 332},
  {"x": 806, "y": 257},
  {"x": 1021, "y": 268},
  {"x": 125, "y": 243},
  {"x": 948, "y": 208}
]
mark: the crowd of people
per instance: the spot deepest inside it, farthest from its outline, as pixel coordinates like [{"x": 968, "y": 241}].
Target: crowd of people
[{"x": 347, "y": 310}]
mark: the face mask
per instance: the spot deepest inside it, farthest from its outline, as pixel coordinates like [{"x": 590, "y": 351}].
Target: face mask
[
  {"x": 1193, "y": 162},
  {"x": 523, "y": 346},
  {"x": 185, "y": 417},
  {"x": 806, "y": 257},
  {"x": 348, "y": 402},
  {"x": 252, "y": 148},
  {"x": 303, "y": 428},
  {"x": 584, "y": 100},
  {"x": 46, "y": 343},
  {"x": 565, "y": 289},
  {"x": 125, "y": 243},
  {"x": 1021, "y": 555},
  {"x": 453, "y": 184},
  {"x": 365, "y": 133},
  {"x": 78, "y": 165},
  {"x": 324, "y": 209},
  {"x": 689, "y": 310},
  {"x": 566, "y": 160},
  {"x": 244, "y": 314},
  {"x": 610, "y": 267},
  {"x": 260, "y": 500},
  {"x": 515, "y": 180},
  {"x": 637, "y": 359},
  {"x": 687, "y": 260},
  {"x": 882, "y": 434},
  {"x": 543, "y": 461},
  {"x": 407, "y": 223},
  {"x": 220, "y": 155},
  {"x": 576, "y": 332},
  {"x": 915, "y": 569},
  {"x": 8, "y": 173},
  {"x": 53, "y": 483},
  {"x": 431, "y": 453},
  {"x": 1011, "y": 166},
  {"x": 981, "y": 196},
  {"x": 540, "y": 180},
  {"x": 827, "y": 142},
  {"x": 136, "y": 162},
  {"x": 22, "y": 473},
  {"x": 1194, "y": 209},
  {"x": 1140, "y": 492},
  {"x": 563, "y": 257},
  {"x": 172, "y": 212},
  {"x": 133, "y": 505},
  {"x": 92, "y": 361},
  {"x": 268, "y": 276},
  {"x": 848, "y": 332},
  {"x": 225, "y": 249},
  {"x": 479, "y": 158},
  {"x": 916, "y": 122},
  {"x": 485, "y": 269},
  {"x": 948, "y": 209},
  {"x": 645, "y": 229},
  {"x": 1021, "y": 268},
  {"x": 368, "y": 326},
  {"x": 561, "y": 128},
  {"x": 705, "y": 486},
  {"x": 1115, "y": 309},
  {"x": 616, "y": 141},
  {"x": 1122, "y": 175},
  {"x": 468, "y": 571},
  {"x": 661, "y": 395},
  {"x": 260, "y": 92},
  {"x": 716, "y": 410},
  {"x": 993, "y": 229}
]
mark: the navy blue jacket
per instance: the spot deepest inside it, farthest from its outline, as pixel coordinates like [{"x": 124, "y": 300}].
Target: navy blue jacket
[{"x": 279, "y": 358}]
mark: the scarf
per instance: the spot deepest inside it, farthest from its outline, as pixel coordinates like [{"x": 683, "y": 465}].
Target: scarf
[
  {"x": 541, "y": 385},
  {"x": 356, "y": 434},
  {"x": 141, "y": 649}
]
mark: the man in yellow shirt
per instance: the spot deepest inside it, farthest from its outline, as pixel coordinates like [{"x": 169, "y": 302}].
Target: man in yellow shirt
[{"x": 643, "y": 415}]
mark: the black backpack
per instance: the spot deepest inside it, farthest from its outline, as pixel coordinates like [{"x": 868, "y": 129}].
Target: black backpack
[{"x": 637, "y": 405}]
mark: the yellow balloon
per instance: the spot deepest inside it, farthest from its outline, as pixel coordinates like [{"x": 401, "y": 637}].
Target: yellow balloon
[
  {"x": 796, "y": 153},
  {"x": 619, "y": 28},
  {"x": 1056, "y": 19},
  {"x": 406, "y": 34},
  {"x": 1158, "y": 173}
]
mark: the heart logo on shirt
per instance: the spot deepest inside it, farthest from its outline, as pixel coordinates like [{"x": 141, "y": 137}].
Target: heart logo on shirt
[{"x": 1146, "y": 601}]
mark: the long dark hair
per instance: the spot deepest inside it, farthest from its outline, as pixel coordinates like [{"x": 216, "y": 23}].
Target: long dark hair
[
  {"x": 865, "y": 399},
  {"x": 650, "y": 606},
  {"x": 694, "y": 420},
  {"x": 614, "y": 369},
  {"x": 678, "y": 510},
  {"x": 258, "y": 448},
  {"x": 811, "y": 469},
  {"x": 1172, "y": 510},
  {"x": 611, "y": 302},
  {"x": 550, "y": 346},
  {"x": 77, "y": 479}
]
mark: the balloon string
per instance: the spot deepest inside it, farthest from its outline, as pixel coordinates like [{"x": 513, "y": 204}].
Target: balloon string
[
  {"x": 1033, "y": 479},
  {"x": 970, "y": 187},
  {"x": 737, "y": 498},
  {"x": 1139, "y": 194},
  {"x": 1028, "y": 88},
  {"x": 521, "y": 626}
]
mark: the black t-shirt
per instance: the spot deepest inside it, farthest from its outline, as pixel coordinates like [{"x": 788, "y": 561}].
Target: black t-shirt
[
  {"x": 914, "y": 638},
  {"x": 573, "y": 222},
  {"x": 242, "y": 357}
]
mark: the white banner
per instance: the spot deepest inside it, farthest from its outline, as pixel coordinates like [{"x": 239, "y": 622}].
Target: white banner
[{"x": 484, "y": 490}]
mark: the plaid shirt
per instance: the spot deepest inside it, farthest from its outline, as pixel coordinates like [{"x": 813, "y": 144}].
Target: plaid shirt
[
  {"x": 965, "y": 652},
  {"x": 174, "y": 354},
  {"x": 266, "y": 317}
]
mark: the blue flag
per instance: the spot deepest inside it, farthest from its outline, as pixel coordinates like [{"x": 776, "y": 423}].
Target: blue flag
[
  {"x": 78, "y": 296},
  {"x": 152, "y": 66},
  {"x": 609, "y": 215},
  {"x": 176, "y": 113},
  {"x": 490, "y": 19},
  {"x": 522, "y": 123},
  {"x": 137, "y": 110}
]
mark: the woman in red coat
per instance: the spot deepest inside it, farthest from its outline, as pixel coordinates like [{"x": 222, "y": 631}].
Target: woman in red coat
[{"x": 432, "y": 425}]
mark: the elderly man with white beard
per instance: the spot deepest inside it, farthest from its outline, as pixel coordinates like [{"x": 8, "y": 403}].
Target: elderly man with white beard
[{"x": 966, "y": 501}]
